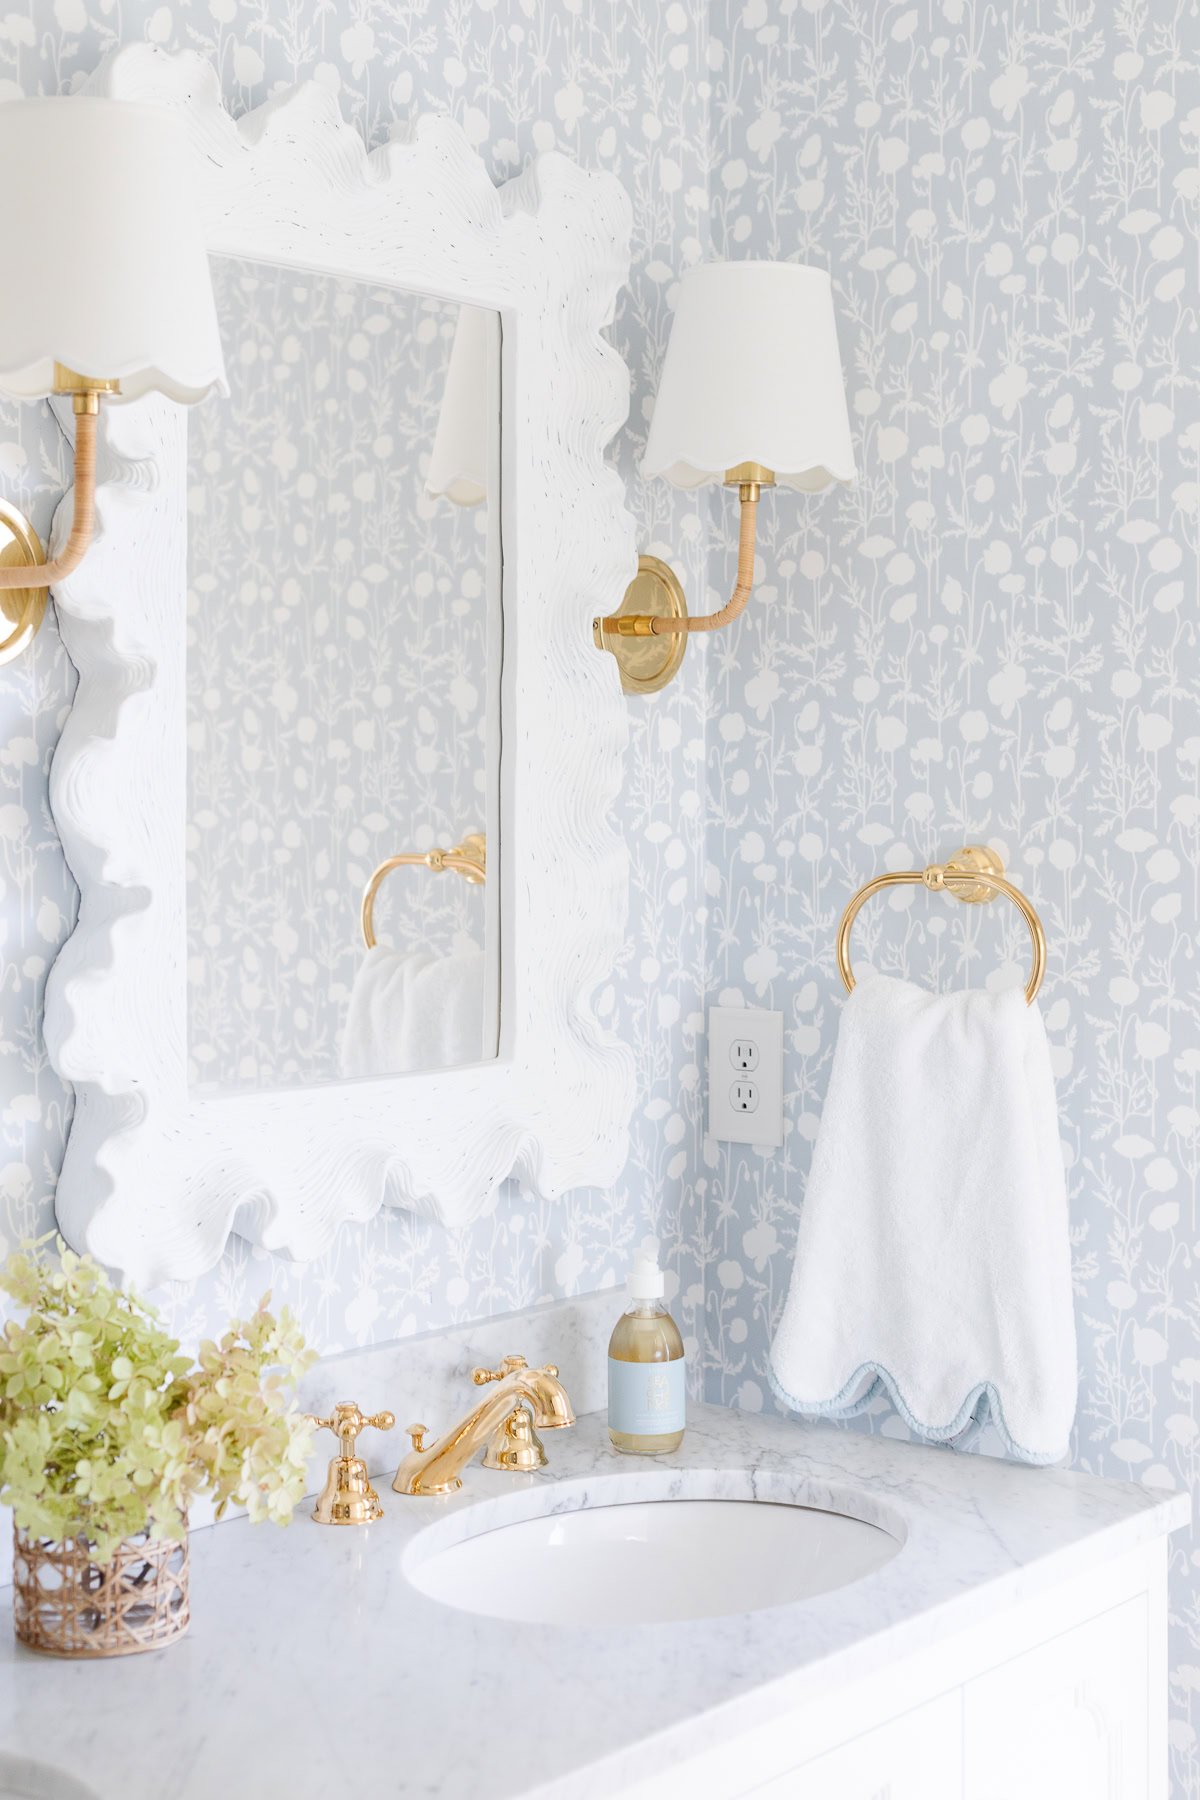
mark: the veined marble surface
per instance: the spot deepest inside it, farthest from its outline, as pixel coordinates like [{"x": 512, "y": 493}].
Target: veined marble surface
[{"x": 313, "y": 1661}]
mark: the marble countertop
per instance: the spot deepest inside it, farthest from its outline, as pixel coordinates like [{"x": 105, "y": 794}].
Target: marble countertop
[{"x": 311, "y": 1658}]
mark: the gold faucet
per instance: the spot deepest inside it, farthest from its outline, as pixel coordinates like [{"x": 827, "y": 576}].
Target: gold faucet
[
  {"x": 525, "y": 1398},
  {"x": 348, "y": 1497}
]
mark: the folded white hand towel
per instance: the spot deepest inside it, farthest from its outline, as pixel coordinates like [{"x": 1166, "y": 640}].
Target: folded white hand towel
[
  {"x": 413, "y": 1011},
  {"x": 933, "y": 1257}
]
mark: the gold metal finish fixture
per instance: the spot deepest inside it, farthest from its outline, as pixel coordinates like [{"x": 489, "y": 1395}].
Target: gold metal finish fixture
[
  {"x": 348, "y": 1497},
  {"x": 647, "y": 662},
  {"x": 516, "y": 1445},
  {"x": 654, "y": 605},
  {"x": 66, "y": 381},
  {"x": 536, "y": 1395},
  {"x": 974, "y": 875},
  {"x": 23, "y": 608},
  {"x": 757, "y": 473},
  {"x": 25, "y": 574},
  {"x": 468, "y": 859}
]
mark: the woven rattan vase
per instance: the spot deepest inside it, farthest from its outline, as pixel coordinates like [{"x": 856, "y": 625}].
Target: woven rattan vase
[{"x": 67, "y": 1605}]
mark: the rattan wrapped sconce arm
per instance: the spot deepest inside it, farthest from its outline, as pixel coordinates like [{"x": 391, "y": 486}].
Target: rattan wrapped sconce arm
[
  {"x": 24, "y": 576},
  {"x": 649, "y": 634}
]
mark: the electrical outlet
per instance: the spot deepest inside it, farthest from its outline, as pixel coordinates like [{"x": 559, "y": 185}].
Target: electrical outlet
[{"x": 745, "y": 1041}]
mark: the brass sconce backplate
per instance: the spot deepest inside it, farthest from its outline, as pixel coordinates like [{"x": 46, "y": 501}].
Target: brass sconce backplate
[
  {"x": 647, "y": 663},
  {"x": 23, "y": 608}
]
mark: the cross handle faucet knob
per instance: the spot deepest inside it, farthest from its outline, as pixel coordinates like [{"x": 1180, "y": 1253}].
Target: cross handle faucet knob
[
  {"x": 508, "y": 1366},
  {"x": 347, "y": 1420}
]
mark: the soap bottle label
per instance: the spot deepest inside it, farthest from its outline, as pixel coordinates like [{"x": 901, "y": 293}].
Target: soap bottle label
[{"x": 646, "y": 1399}]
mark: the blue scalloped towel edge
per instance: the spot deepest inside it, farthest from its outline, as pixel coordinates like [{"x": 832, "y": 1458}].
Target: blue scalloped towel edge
[{"x": 982, "y": 1406}]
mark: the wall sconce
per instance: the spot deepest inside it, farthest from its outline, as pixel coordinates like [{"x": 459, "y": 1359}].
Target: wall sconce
[
  {"x": 113, "y": 280},
  {"x": 751, "y": 396}
]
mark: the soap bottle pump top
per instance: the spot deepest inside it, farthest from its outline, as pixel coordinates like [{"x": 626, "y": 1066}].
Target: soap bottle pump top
[{"x": 646, "y": 1279}]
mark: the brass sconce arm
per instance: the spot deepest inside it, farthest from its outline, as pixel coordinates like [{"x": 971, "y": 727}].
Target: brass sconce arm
[
  {"x": 27, "y": 579},
  {"x": 643, "y": 669},
  {"x": 658, "y": 625}
]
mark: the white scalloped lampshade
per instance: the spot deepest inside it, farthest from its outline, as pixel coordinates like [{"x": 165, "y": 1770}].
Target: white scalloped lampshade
[
  {"x": 458, "y": 462},
  {"x": 752, "y": 374},
  {"x": 113, "y": 277}
]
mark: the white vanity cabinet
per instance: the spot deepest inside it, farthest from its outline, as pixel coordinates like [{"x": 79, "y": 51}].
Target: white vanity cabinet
[
  {"x": 1076, "y": 1715},
  {"x": 1061, "y": 1696},
  {"x": 915, "y": 1757}
]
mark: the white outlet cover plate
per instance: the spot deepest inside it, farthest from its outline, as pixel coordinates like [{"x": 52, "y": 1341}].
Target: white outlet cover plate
[{"x": 728, "y": 1025}]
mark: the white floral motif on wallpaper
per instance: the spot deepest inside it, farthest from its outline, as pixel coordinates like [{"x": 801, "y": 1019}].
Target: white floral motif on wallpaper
[{"x": 337, "y": 665}]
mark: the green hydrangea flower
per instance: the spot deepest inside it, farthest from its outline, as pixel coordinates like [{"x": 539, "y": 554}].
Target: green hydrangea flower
[{"x": 106, "y": 1429}]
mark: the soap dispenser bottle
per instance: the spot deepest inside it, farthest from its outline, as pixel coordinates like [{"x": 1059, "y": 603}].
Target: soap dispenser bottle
[{"x": 646, "y": 1381}]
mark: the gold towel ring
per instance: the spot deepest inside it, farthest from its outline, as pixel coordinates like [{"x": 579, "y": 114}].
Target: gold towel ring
[
  {"x": 975, "y": 874},
  {"x": 468, "y": 859}
]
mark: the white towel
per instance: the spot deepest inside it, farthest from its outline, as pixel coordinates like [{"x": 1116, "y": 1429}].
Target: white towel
[
  {"x": 413, "y": 1011},
  {"x": 933, "y": 1257}
]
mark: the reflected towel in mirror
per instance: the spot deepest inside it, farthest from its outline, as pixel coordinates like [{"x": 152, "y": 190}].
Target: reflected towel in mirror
[
  {"x": 410, "y": 1010},
  {"x": 933, "y": 1260}
]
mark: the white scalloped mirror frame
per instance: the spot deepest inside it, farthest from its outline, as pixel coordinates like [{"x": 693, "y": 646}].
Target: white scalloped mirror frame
[{"x": 156, "y": 1177}]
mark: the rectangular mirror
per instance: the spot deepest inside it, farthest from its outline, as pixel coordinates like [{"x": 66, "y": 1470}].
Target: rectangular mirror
[{"x": 343, "y": 685}]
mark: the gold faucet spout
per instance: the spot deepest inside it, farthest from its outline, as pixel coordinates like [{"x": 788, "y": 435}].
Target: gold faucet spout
[
  {"x": 551, "y": 1408},
  {"x": 437, "y": 1468}
]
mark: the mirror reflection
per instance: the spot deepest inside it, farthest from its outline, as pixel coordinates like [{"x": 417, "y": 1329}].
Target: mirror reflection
[{"x": 343, "y": 661}]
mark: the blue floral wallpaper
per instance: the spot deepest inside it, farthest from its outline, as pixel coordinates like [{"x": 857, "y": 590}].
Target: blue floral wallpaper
[
  {"x": 992, "y": 636},
  {"x": 616, "y": 86},
  {"x": 335, "y": 715}
]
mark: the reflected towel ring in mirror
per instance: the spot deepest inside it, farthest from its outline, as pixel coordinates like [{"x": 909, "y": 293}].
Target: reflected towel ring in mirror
[
  {"x": 973, "y": 875},
  {"x": 468, "y": 859}
]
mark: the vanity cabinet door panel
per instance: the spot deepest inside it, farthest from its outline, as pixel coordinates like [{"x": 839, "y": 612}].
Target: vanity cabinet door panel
[
  {"x": 1069, "y": 1718},
  {"x": 915, "y": 1757}
]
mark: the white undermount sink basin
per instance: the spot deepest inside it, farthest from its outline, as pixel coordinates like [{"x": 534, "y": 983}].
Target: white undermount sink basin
[
  {"x": 21, "y": 1779},
  {"x": 649, "y": 1562}
]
